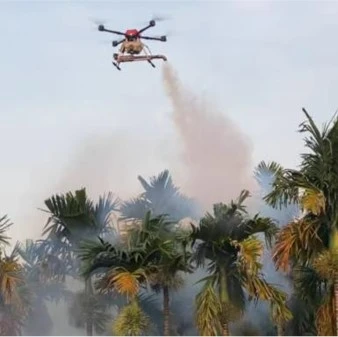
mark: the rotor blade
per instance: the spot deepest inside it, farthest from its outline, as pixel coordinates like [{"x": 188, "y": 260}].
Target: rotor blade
[
  {"x": 160, "y": 18},
  {"x": 157, "y": 18},
  {"x": 97, "y": 21}
]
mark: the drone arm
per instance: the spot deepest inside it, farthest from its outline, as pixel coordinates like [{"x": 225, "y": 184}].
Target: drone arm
[
  {"x": 111, "y": 31},
  {"x": 116, "y": 43},
  {"x": 145, "y": 28},
  {"x": 154, "y": 38}
]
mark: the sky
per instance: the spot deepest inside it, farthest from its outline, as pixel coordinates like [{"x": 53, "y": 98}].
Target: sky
[{"x": 69, "y": 119}]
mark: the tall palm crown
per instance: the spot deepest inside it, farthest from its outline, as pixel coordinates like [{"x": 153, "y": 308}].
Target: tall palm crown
[
  {"x": 160, "y": 196},
  {"x": 308, "y": 244},
  {"x": 225, "y": 242},
  {"x": 44, "y": 279},
  {"x": 74, "y": 218},
  {"x": 14, "y": 297}
]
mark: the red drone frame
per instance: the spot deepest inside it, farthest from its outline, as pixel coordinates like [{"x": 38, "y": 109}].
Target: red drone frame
[{"x": 132, "y": 45}]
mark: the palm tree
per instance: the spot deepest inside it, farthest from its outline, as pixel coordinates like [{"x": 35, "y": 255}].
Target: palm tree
[
  {"x": 154, "y": 256},
  {"x": 160, "y": 197},
  {"x": 308, "y": 243},
  {"x": 93, "y": 308},
  {"x": 44, "y": 279},
  {"x": 226, "y": 243},
  {"x": 120, "y": 271},
  {"x": 73, "y": 219},
  {"x": 166, "y": 246},
  {"x": 14, "y": 298}
]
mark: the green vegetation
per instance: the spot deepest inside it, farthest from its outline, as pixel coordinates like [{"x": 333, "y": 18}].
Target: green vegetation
[{"x": 132, "y": 276}]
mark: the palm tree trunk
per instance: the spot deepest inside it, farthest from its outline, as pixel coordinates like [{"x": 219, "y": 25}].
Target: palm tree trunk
[
  {"x": 336, "y": 299},
  {"x": 334, "y": 251},
  {"x": 280, "y": 330},
  {"x": 225, "y": 329},
  {"x": 224, "y": 299},
  {"x": 89, "y": 293},
  {"x": 166, "y": 312}
]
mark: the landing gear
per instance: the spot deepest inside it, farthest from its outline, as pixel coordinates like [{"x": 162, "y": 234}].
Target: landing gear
[
  {"x": 116, "y": 65},
  {"x": 151, "y": 63}
]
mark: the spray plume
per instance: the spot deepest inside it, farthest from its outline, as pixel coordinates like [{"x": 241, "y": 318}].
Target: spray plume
[{"x": 216, "y": 155}]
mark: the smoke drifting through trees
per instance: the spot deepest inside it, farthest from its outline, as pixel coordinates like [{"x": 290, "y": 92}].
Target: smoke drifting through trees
[
  {"x": 217, "y": 164},
  {"x": 216, "y": 154}
]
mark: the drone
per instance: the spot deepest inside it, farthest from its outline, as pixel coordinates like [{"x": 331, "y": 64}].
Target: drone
[{"x": 132, "y": 47}]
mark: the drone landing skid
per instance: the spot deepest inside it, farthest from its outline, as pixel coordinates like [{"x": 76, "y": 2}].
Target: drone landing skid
[{"x": 130, "y": 58}]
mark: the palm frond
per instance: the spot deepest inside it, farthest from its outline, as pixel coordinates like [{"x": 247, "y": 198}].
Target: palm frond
[
  {"x": 208, "y": 310},
  {"x": 313, "y": 200},
  {"x": 326, "y": 317},
  {"x": 125, "y": 282},
  {"x": 84, "y": 307},
  {"x": 5, "y": 224},
  {"x": 259, "y": 289},
  {"x": 298, "y": 240},
  {"x": 250, "y": 253},
  {"x": 326, "y": 265},
  {"x": 132, "y": 321}
]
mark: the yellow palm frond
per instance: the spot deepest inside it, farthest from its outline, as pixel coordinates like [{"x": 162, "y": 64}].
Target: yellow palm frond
[
  {"x": 251, "y": 250},
  {"x": 325, "y": 317},
  {"x": 313, "y": 201},
  {"x": 126, "y": 283},
  {"x": 10, "y": 281},
  {"x": 299, "y": 240},
  {"x": 132, "y": 321},
  {"x": 326, "y": 265},
  {"x": 259, "y": 288},
  {"x": 334, "y": 240},
  {"x": 208, "y": 310},
  {"x": 123, "y": 281}
]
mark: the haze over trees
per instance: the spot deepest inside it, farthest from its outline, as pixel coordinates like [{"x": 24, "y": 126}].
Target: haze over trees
[{"x": 148, "y": 275}]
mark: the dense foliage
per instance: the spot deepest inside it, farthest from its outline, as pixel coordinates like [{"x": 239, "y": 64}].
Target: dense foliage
[{"x": 139, "y": 272}]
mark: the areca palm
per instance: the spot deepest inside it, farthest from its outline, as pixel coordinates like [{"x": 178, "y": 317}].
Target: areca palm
[
  {"x": 310, "y": 240},
  {"x": 73, "y": 219},
  {"x": 166, "y": 246},
  {"x": 226, "y": 243},
  {"x": 44, "y": 279},
  {"x": 153, "y": 256},
  {"x": 160, "y": 197},
  {"x": 120, "y": 271},
  {"x": 14, "y": 297}
]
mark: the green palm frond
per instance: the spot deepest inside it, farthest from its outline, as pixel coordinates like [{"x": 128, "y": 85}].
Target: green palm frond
[
  {"x": 84, "y": 307},
  {"x": 5, "y": 224},
  {"x": 308, "y": 285},
  {"x": 160, "y": 196}
]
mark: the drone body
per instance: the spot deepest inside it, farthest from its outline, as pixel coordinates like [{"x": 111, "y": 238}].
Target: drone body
[{"x": 132, "y": 46}]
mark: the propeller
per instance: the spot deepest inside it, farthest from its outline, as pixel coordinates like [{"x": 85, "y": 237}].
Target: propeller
[
  {"x": 96, "y": 22},
  {"x": 160, "y": 18},
  {"x": 156, "y": 18}
]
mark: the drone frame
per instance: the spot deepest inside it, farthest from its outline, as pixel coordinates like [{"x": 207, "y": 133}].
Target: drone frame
[
  {"x": 131, "y": 58},
  {"x": 152, "y": 23}
]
